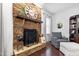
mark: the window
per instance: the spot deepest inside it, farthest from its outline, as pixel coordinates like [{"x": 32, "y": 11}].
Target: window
[{"x": 48, "y": 25}]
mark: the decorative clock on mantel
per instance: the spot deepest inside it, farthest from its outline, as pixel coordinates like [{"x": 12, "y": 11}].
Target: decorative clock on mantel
[{"x": 28, "y": 12}]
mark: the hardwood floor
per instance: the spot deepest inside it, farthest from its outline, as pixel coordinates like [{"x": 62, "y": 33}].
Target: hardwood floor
[{"x": 49, "y": 50}]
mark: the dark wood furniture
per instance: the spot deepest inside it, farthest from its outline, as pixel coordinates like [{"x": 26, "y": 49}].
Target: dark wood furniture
[
  {"x": 76, "y": 37},
  {"x": 74, "y": 28}
]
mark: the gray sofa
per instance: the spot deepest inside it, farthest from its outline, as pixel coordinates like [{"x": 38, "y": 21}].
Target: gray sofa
[{"x": 56, "y": 38}]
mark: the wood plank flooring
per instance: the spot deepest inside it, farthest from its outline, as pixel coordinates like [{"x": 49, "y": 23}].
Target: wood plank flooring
[{"x": 49, "y": 50}]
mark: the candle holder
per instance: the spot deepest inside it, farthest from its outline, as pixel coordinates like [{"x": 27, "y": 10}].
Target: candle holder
[
  {"x": 19, "y": 41},
  {"x": 19, "y": 37}
]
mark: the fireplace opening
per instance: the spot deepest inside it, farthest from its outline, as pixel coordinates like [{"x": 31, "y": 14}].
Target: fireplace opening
[{"x": 30, "y": 36}]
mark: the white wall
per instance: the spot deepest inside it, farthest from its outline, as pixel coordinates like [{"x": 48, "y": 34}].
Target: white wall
[
  {"x": 45, "y": 14},
  {"x": 0, "y": 29},
  {"x": 7, "y": 29},
  {"x": 63, "y": 17}
]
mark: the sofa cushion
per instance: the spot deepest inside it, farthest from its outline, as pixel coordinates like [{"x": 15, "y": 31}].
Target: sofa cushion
[{"x": 57, "y": 34}]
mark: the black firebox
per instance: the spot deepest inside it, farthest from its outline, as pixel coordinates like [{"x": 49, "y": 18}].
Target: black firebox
[{"x": 30, "y": 36}]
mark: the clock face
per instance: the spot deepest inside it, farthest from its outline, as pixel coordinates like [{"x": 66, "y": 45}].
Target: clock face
[{"x": 30, "y": 12}]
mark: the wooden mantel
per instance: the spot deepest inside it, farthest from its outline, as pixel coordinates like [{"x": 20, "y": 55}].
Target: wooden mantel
[{"x": 27, "y": 19}]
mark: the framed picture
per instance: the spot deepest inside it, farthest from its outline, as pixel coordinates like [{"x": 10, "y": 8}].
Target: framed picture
[{"x": 59, "y": 25}]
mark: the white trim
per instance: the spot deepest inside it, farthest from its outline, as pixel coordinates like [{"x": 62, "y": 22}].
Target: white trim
[{"x": 7, "y": 29}]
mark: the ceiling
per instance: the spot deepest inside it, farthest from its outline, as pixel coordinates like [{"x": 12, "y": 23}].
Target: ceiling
[{"x": 58, "y": 7}]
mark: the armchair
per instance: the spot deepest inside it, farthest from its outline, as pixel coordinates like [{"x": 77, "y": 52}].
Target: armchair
[{"x": 56, "y": 38}]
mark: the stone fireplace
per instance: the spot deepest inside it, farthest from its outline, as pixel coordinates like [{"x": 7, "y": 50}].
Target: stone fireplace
[{"x": 28, "y": 29}]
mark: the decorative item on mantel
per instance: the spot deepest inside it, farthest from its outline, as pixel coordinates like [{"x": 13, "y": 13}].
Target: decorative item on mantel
[
  {"x": 42, "y": 38},
  {"x": 19, "y": 39},
  {"x": 27, "y": 12}
]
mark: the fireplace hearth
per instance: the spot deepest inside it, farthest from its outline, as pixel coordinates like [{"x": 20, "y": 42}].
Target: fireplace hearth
[{"x": 30, "y": 36}]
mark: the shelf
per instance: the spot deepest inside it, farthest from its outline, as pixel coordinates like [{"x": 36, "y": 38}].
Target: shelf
[
  {"x": 72, "y": 28},
  {"x": 72, "y": 23},
  {"x": 27, "y": 19}
]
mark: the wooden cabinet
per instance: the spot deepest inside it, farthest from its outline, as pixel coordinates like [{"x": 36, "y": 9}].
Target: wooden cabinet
[
  {"x": 76, "y": 39},
  {"x": 74, "y": 28}
]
